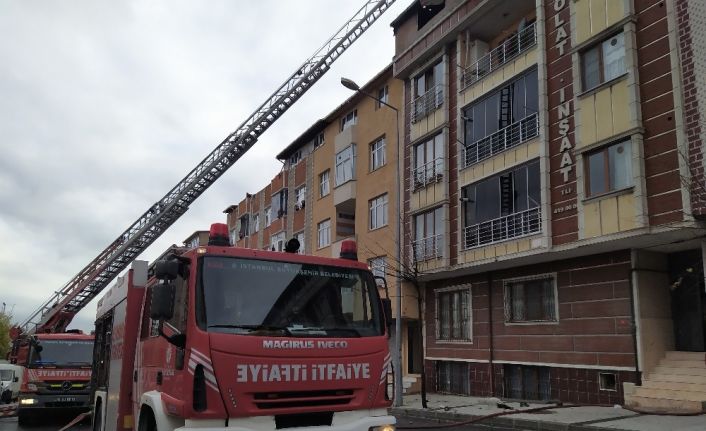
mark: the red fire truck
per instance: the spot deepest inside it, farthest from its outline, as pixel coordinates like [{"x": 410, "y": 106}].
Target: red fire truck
[
  {"x": 222, "y": 337},
  {"x": 56, "y": 373}
]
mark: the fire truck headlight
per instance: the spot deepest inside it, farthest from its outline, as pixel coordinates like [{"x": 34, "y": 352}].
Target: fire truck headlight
[
  {"x": 28, "y": 401},
  {"x": 382, "y": 428}
]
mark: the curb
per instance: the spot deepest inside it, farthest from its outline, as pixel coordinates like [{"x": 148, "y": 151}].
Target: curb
[{"x": 506, "y": 422}]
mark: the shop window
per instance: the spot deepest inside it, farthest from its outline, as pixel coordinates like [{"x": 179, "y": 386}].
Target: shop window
[
  {"x": 603, "y": 62},
  {"x": 609, "y": 169},
  {"x": 531, "y": 300}
]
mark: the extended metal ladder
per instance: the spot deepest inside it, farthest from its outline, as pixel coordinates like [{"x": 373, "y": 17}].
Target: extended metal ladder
[{"x": 56, "y": 313}]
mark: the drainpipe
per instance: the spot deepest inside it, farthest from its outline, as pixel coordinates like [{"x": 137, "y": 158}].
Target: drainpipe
[
  {"x": 632, "y": 280},
  {"x": 490, "y": 332}
]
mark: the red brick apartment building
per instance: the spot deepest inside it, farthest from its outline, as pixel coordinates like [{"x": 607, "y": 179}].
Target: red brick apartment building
[{"x": 554, "y": 196}]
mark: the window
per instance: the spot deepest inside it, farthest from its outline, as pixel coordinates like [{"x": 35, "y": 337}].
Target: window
[
  {"x": 255, "y": 223},
  {"x": 324, "y": 229},
  {"x": 279, "y": 203},
  {"x": 277, "y": 241},
  {"x": 526, "y": 382},
  {"x": 378, "y": 212},
  {"x": 345, "y": 165},
  {"x": 453, "y": 314},
  {"x": 427, "y": 11},
  {"x": 300, "y": 238},
  {"x": 603, "y": 62},
  {"x": 502, "y": 207},
  {"x": 609, "y": 169},
  {"x": 428, "y": 235},
  {"x": 377, "y": 154},
  {"x": 300, "y": 195},
  {"x": 428, "y": 91},
  {"x": 244, "y": 231},
  {"x": 377, "y": 266},
  {"x": 383, "y": 96},
  {"x": 453, "y": 378},
  {"x": 268, "y": 216},
  {"x": 319, "y": 140},
  {"x": 530, "y": 300},
  {"x": 294, "y": 159},
  {"x": 324, "y": 187},
  {"x": 428, "y": 161},
  {"x": 349, "y": 119},
  {"x": 607, "y": 382},
  {"x": 232, "y": 234},
  {"x": 501, "y": 120}
]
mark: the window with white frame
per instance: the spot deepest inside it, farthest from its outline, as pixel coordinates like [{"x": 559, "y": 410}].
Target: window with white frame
[
  {"x": 300, "y": 238},
  {"x": 345, "y": 165},
  {"x": 377, "y": 154},
  {"x": 324, "y": 184},
  {"x": 294, "y": 159},
  {"x": 349, "y": 119},
  {"x": 277, "y": 241},
  {"x": 378, "y": 212},
  {"x": 428, "y": 161},
  {"x": 255, "y": 223},
  {"x": 300, "y": 196},
  {"x": 377, "y": 266},
  {"x": 383, "y": 96},
  {"x": 324, "y": 229},
  {"x": 453, "y": 313},
  {"x": 531, "y": 299},
  {"x": 603, "y": 62},
  {"x": 428, "y": 235},
  {"x": 279, "y": 203},
  {"x": 233, "y": 234},
  {"x": 428, "y": 91},
  {"x": 319, "y": 140},
  {"x": 268, "y": 216}
]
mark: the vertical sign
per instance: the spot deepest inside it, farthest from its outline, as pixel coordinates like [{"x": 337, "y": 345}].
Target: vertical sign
[{"x": 560, "y": 85}]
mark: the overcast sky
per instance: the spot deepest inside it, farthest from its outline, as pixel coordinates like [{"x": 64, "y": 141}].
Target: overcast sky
[{"x": 105, "y": 105}]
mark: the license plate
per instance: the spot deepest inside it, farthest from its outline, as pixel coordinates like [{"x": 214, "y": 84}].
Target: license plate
[{"x": 66, "y": 399}]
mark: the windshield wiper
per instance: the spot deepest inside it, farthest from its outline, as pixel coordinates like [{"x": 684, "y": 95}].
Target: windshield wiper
[
  {"x": 254, "y": 327},
  {"x": 342, "y": 329},
  {"x": 44, "y": 362}
]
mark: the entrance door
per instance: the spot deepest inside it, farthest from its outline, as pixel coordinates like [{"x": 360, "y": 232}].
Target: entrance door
[
  {"x": 414, "y": 347},
  {"x": 688, "y": 301}
]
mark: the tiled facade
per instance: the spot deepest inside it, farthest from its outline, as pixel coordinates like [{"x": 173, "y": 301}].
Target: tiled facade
[{"x": 547, "y": 147}]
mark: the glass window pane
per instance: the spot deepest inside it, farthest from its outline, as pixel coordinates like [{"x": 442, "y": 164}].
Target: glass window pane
[
  {"x": 492, "y": 113},
  {"x": 419, "y": 227},
  {"x": 614, "y": 56},
  {"x": 533, "y": 185},
  {"x": 596, "y": 173},
  {"x": 478, "y": 121},
  {"x": 518, "y": 100},
  {"x": 591, "y": 68},
  {"x": 619, "y": 160},
  {"x": 519, "y": 193},
  {"x": 531, "y": 96},
  {"x": 488, "y": 200}
]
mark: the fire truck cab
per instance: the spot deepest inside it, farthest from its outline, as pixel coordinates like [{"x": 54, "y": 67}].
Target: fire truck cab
[{"x": 221, "y": 337}]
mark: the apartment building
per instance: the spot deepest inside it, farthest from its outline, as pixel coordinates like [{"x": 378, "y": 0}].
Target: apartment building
[
  {"x": 553, "y": 196},
  {"x": 339, "y": 181}
]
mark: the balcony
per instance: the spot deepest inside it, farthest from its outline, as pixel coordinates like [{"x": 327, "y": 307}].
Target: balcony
[
  {"x": 427, "y": 103},
  {"x": 429, "y": 173},
  {"x": 502, "y": 140},
  {"x": 428, "y": 248},
  {"x": 503, "y": 228},
  {"x": 500, "y": 55}
]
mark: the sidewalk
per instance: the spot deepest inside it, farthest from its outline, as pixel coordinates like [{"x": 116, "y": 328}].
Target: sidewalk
[{"x": 452, "y": 408}]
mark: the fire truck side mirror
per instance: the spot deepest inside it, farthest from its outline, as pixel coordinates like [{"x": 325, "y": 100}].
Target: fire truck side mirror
[
  {"x": 387, "y": 309},
  {"x": 162, "y": 306},
  {"x": 166, "y": 269}
]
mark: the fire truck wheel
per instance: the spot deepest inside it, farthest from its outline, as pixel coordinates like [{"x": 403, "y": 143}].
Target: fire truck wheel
[
  {"x": 98, "y": 417},
  {"x": 24, "y": 419},
  {"x": 147, "y": 422},
  {"x": 6, "y": 396}
]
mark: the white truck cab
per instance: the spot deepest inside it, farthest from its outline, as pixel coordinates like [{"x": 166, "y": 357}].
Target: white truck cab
[{"x": 10, "y": 381}]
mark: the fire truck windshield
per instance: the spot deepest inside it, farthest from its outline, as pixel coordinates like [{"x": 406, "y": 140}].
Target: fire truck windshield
[
  {"x": 258, "y": 297},
  {"x": 62, "y": 353}
]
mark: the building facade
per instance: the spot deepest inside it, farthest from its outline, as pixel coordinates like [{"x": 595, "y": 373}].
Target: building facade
[{"x": 553, "y": 195}]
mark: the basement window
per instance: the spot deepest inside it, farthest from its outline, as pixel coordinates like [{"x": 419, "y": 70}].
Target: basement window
[
  {"x": 453, "y": 378},
  {"x": 608, "y": 382},
  {"x": 526, "y": 382}
]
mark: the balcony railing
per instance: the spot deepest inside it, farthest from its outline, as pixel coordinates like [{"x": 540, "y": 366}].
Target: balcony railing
[
  {"x": 511, "y": 48},
  {"x": 505, "y": 138},
  {"x": 428, "y": 173},
  {"x": 503, "y": 228},
  {"x": 426, "y": 103},
  {"x": 428, "y": 248}
]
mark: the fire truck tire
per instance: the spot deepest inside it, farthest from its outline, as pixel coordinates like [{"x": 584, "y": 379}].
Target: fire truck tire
[
  {"x": 147, "y": 422},
  {"x": 25, "y": 419},
  {"x": 98, "y": 417}
]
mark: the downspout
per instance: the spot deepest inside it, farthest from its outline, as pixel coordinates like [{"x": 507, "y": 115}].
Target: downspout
[
  {"x": 490, "y": 332},
  {"x": 632, "y": 280}
]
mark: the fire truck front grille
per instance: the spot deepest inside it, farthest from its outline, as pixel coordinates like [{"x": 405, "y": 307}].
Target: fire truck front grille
[
  {"x": 278, "y": 400},
  {"x": 67, "y": 386}
]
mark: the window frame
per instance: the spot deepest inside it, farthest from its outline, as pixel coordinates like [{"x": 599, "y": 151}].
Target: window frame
[
  {"x": 605, "y": 151},
  {"x": 302, "y": 247},
  {"x": 375, "y": 205},
  {"x": 319, "y": 140},
  {"x": 507, "y": 320},
  {"x": 300, "y": 195},
  {"x": 324, "y": 226},
  {"x": 374, "y": 264},
  {"x": 268, "y": 216},
  {"x": 255, "y": 225},
  {"x": 278, "y": 240},
  {"x": 598, "y": 45},
  {"x": 349, "y": 119},
  {"x": 383, "y": 95},
  {"x": 325, "y": 179},
  {"x": 378, "y": 147},
  {"x": 450, "y": 290},
  {"x": 345, "y": 165}
]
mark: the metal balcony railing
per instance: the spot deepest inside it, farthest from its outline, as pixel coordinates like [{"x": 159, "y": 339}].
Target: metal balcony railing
[
  {"x": 426, "y": 103},
  {"x": 503, "y": 228},
  {"x": 428, "y": 173},
  {"x": 511, "y": 48},
  {"x": 505, "y": 138},
  {"x": 428, "y": 248}
]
